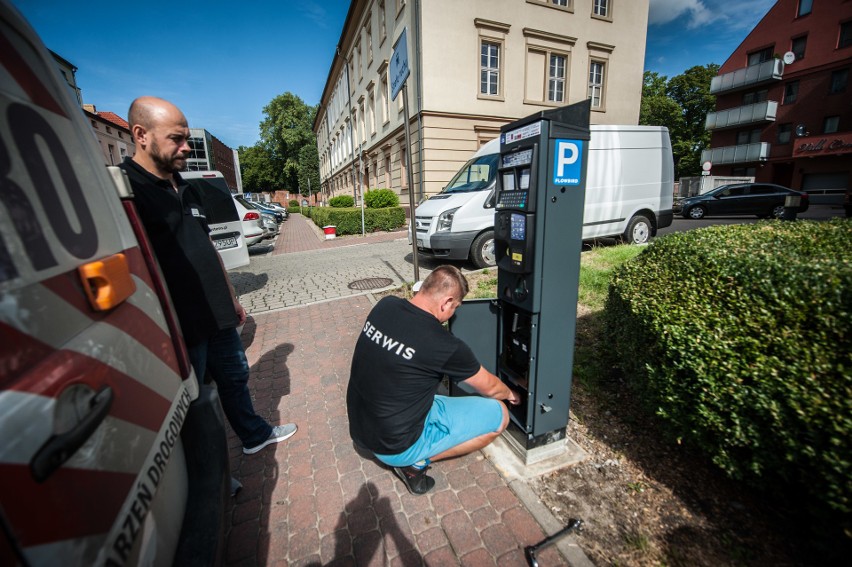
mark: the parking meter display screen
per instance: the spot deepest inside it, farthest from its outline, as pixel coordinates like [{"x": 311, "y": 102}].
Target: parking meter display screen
[
  {"x": 524, "y": 179},
  {"x": 509, "y": 181},
  {"x": 518, "y": 226}
]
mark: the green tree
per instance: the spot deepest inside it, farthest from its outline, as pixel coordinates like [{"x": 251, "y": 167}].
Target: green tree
[
  {"x": 284, "y": 131},
  {"x": 681, "y": 104},
  {"x": 256, "y": 169},
  {"x": 309, "y": 169}
]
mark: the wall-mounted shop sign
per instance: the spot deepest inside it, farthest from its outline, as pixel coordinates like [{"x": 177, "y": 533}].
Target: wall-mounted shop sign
[{"x": 831, "y": 144}]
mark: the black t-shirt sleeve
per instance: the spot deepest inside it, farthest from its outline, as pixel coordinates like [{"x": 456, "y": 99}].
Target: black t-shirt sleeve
[{"x": 462, "y": 364}]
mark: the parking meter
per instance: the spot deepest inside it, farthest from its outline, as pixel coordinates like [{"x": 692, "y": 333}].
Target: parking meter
[{"x": 526, "y": 336}]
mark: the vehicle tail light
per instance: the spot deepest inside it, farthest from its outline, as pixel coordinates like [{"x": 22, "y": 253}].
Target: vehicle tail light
[{"x": 251, "y": 216}]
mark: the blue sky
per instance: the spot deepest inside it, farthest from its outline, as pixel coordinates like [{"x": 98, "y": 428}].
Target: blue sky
[{"x": 222, "y": 62}]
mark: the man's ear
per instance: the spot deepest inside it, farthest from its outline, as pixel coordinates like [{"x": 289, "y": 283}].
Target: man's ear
[
  {"x": 139, "y": 133},
  {"x": 447, "y": 303}
]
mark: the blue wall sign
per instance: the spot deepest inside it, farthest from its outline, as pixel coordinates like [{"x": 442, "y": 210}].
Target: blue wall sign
[{"x": 567, "y": 162}]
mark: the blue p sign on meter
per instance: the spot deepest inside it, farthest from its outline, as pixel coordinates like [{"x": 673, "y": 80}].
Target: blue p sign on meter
[{"x": 567, "y": 162}]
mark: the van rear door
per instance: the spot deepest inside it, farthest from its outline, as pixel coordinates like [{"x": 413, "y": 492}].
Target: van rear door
[{"x": 92, "y": 391}]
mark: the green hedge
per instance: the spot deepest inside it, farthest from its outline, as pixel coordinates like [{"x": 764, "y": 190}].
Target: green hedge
[
  {"x": 381, "y": 199},
  {"x": 348, "y": 221},
  {"x": 739, "y": 338},
  {"x": 342, "y": 201}
]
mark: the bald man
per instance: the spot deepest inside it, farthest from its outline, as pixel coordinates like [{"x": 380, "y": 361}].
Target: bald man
[
  {"x": 202, "y": 294},
  {"x": 400, "y": 359}
]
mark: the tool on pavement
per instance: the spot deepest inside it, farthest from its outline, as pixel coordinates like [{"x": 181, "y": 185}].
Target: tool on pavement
[{"x": 531, "y": 550}]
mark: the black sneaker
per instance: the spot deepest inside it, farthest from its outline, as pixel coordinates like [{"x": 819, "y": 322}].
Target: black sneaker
[{"x": 415, "y": 479}]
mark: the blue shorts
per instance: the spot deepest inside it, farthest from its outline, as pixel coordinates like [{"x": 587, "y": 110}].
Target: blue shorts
[{"x": 450, "y": 422}]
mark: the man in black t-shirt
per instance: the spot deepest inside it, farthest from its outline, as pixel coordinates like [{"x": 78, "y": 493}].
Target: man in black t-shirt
[
  {"x": 402, "y": 355},
  {"x": 202, "y": 294}
]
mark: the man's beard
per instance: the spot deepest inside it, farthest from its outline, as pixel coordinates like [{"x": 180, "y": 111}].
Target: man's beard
[{"x": 172, "y": 165}]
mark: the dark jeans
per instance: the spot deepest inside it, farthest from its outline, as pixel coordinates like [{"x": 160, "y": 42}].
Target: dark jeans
[{"x": 223, "y": 355}]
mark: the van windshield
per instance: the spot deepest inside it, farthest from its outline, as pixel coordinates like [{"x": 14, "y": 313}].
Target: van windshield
[{"x": 476, "y": 175}]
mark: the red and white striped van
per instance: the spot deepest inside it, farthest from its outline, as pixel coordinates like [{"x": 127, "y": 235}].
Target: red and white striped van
[{"x": 109, "y": 453}]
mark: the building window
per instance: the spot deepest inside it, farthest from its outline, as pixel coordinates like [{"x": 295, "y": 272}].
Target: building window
[
  {"x": 387, "y": 171},
  {"x": 804, "y": 7},
  {"x": 403, "y": 168},
  {"x": 838, "y": 81},
  {"x": 94, "y": 124},
  {"x": 601, "y": 8},
  {"x": 845, "y": 39},
  {"x": 831, "y": 124},
  {"x": 744, "y": 171},
  {"x": 358, "y": 60},
  {"x": 489, "y": 76},
  {"x": 372, "y": 113},
  {"x": 759, "y": 57},
  {"x": 560, "y": 2},
  {"x": 385, "y": 98},
  {"x": 798, "y": 46},
  {"x": 784, "y": 132},
  {"x": 109, "y": 130},
  {"x": 748, "y": 137},
  {"x": 756, "y": 96},
  {"x": 597, "y": 83},
  {"x": 791, "y": 92},
  {"x": 368, "y": 27},
  {"x": 383, "y": 28},
  {"x": 556, "y": 79},
  {"x": 111, "y": 154}
]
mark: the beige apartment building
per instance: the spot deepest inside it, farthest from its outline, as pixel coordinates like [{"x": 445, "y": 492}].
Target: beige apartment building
[{"x": 475, "y": 65}]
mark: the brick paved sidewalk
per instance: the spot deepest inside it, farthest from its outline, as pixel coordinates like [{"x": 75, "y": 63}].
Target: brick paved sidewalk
[
  {"x": 313, "y": 500},
  {"x": 300, "y": 234}
]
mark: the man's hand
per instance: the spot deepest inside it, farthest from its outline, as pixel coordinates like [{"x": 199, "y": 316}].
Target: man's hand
[
  {"x": 513, "y": 398},
  {"x": 490, "y": 386},
  {"x": 241, "y": 313}
]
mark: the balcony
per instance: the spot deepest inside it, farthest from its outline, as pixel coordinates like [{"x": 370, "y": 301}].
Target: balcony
[
  {"x": 748, "y": 114},
  {"x": 744, "y": 153},
  {"x": 772, "y": 70}
]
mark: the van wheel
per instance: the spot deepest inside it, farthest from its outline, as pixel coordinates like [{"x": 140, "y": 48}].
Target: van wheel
[
  {"x": 482, "y": 250},
  {"x": 638, "y": 231}
]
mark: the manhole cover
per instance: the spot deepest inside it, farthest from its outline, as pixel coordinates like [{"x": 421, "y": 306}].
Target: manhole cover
[{"x": 370, "y": 283}]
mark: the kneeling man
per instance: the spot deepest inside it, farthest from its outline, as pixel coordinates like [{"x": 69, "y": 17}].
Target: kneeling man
[{"x": 402, "y": 355}]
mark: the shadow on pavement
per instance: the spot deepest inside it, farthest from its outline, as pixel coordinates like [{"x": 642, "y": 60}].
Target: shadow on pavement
[
  {"x": 247, "y": 282},
  {"x": 368, "y": 540}
]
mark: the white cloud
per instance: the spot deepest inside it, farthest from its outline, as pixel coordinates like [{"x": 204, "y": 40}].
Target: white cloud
[
  {"x": 742, "y": 14},
  {"x": 665, "y": 11}
]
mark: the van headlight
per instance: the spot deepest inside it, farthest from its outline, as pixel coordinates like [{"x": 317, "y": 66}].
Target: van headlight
[{"x": 445, "y": 220}]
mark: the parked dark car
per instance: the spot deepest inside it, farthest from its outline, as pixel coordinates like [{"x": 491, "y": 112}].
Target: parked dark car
[{"x": 762, "y": 199}]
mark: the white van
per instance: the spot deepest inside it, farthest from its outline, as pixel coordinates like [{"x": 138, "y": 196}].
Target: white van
[
  {"x": 629, "y": 191},
  {"x": 226, "y": 229},
  {"x": 110, "y": 452}
]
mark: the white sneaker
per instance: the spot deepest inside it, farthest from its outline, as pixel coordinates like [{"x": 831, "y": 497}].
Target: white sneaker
[{"x": 279, "y": 433}]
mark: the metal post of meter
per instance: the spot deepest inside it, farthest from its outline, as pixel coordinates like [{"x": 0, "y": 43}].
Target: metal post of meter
[{"x": 410, "y": 175}]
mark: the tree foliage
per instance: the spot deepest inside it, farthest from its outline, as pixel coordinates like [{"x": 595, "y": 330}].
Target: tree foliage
[
  {"x": 256, "y": 169},
  {"x": 286, "y": 155},
  {"x": 681, "y": 104}
]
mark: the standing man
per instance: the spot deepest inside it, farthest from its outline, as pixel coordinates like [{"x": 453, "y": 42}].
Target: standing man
[
  {"x": 402, "y": 355},
  {"x": 201, "y": 291}
]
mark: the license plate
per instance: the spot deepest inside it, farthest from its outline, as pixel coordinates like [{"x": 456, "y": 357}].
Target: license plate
[{"x": 225, "y": 243}]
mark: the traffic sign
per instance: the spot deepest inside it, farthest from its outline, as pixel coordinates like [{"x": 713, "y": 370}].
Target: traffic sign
[{"x": 399, "y": 69}]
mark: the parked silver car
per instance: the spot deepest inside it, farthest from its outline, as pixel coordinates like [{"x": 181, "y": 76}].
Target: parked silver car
[{"x": 270, "y": 225}]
